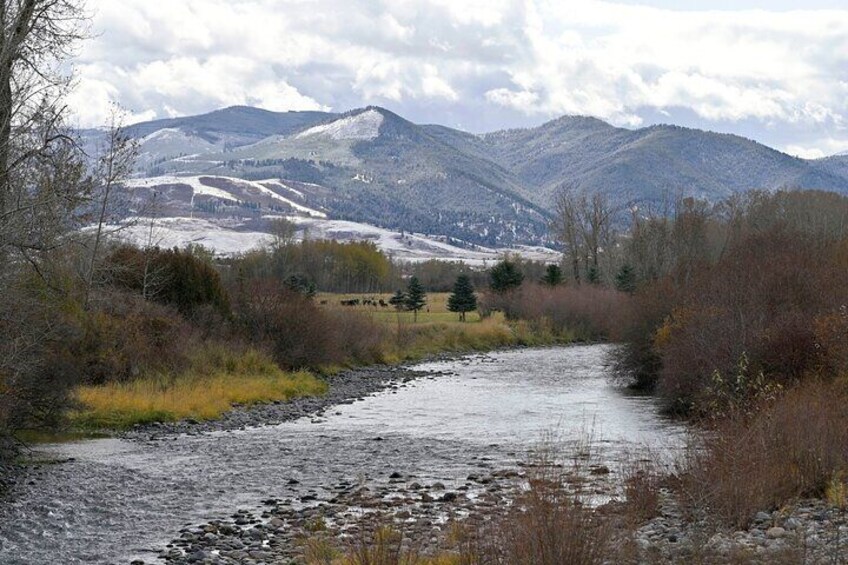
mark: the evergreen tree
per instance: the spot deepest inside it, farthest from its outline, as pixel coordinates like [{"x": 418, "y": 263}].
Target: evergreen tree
[
  {"x": 625, "y": 280},
  {"x": 593, "y": 275},
  {"x": 463, "y": 298},
  {"x": 398, "y": 300},
  {"x": 553, "y": 276},
  {"x": 505, "y": 276},
  {"x": 300, "y": 284},
  {"x": 415, "y": 297}
]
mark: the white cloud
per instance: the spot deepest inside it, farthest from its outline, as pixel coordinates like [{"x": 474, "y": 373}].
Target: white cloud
[
  {"x": 536, "y": 58},
  {"x": 515, "y": 99},
  {"x": 821, "y": 148}
]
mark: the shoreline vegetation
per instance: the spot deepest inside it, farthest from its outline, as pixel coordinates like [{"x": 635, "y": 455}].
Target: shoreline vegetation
[{"x": 207, "y": 393}]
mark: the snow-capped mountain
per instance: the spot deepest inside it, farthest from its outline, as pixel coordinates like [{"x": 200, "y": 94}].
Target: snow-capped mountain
[{"x": 371, "y": 166}]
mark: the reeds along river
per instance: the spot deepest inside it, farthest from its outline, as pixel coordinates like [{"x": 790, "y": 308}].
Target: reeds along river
[{"x": 117, "y": 499}]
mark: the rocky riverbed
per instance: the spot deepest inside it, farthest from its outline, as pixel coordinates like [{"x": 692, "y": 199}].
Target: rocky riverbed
[
  {"x": 809, "y": 531},
  {"x": 342, "y": 516}
]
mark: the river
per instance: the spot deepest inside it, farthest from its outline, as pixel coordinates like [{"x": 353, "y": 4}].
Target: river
[{"x": 112, "y": 500}]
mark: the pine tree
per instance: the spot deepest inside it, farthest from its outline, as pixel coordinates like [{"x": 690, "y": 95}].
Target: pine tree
[
  {"x": 553, "y": 276},
  {"x": 415, "y": 297},
  {"x": 625, "y": 280},
  {"x": 463, "y": 298},
  {"x": 505, "y": 276},
  {"x": 398, "y": 300},
  {"x": 593, "y": 275}
]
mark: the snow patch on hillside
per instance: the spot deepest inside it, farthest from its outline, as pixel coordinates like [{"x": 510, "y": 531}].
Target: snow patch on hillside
[
  {"x": 414, "y": 247},
  {"x": 179, "y": 232},
  {"x": 275, "y": 182},
  {"x": 165, "y": 134},
  {"x": 248, "y": 187},
  {"x": 233, "y": 236},
  {"x": 362, "y": 126},
  {"x": 194, "y": 182}
]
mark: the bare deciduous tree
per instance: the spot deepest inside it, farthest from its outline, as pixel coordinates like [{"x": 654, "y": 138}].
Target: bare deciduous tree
[
  {"x": 584, "y": 225},
  {"x": 40, "y": 169},
  {"x": 114, "y": 165}
]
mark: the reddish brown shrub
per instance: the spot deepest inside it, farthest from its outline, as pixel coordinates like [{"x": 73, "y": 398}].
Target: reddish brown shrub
[
  {"x": 761, "y": 301},
  {"x": 123, "y": 337},
  {"x": 547, "y": 526},
  {"x": 299, "y": 334},
  {"x": 588, "y": 312},
  {"x": 179, "y": 278},
  {"x": 638, "y": 363},
  {"x": 789, "y": 448}
]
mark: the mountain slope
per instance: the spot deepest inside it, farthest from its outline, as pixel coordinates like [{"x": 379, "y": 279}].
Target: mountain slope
[
  {"x": 373, "y": 166},
  {"x": 648, "y": 163},
  {"x": 251, "y": 124}
]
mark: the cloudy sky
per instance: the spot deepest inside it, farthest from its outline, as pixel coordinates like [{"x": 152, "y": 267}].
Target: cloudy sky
[{"x": 772, "y": 70}]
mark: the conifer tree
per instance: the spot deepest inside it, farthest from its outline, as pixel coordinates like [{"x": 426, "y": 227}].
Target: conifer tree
[
  {"x": 505, "y": 276},
  {"x": 625, "y": 280},
  {"x": 553, "y": 275},
  {"x": 463, "y": 298},
  {"x": 415, "y": 297},
  {"x": 398, "y": 300},
  {"x": 593, "y": 275}
]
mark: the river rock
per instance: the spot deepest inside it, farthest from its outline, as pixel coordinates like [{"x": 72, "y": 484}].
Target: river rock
[{"x": 775, "y": 533}]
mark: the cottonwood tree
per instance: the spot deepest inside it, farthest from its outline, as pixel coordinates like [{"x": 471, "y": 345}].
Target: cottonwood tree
[
  {"x": 584, "y": 225},
  {"x": 113, "y": 167},
  {"x": 43, "y": 181},
  {"x": 40, "y": 166}
]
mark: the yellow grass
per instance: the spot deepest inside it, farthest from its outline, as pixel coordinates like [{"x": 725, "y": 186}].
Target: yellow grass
[
  {"x": 436, "y": 309},
  {"x": 220, "y": 377},
  {"x": 439, "y": 330},
  {"x": 248, "y": 379}
]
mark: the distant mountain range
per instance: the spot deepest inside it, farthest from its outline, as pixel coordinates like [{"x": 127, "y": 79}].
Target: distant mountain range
[{"x": 373, "y": 166}]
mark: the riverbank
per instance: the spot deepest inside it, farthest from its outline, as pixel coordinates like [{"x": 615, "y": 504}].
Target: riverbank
[
  {"x": 339, "y": 389},
  {"x": 808, "y": 531},
  {"x": 220, "y": 381},
  {"x": 322, "y": 527},
  {"x": 427, "y": 524}
]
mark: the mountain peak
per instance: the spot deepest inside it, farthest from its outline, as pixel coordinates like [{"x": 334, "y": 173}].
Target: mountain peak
[
  {"x": 578, "y": 122},
  {"x": 363, "y": 125}
]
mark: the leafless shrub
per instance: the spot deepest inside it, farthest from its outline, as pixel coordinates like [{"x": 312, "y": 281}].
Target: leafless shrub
[
  {"x": 586, "y": 311},
  {"x": 792, "y": 447}
]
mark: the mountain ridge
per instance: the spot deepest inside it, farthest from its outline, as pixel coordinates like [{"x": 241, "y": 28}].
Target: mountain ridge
[{"x": 374, "y": 166}]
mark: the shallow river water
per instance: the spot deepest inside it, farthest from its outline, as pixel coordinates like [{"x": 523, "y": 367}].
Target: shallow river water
[{"x": 115, "y": 499}]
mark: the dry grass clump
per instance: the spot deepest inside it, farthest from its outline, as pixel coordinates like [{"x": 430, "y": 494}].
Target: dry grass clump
[
  {"x": 643, "y": 479},
  {"x": 217, "y": 380},
  {"x": 794, "y": 447},
  {"x": 549, "y": 527},
  {"x": 415, "y": 341}
]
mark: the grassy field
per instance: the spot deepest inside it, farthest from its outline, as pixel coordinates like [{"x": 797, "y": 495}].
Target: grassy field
[{"x": 436, "y": 310}]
